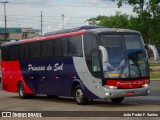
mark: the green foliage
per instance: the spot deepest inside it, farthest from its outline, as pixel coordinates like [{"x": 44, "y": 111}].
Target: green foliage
[
  {"x": 147, "y": 20},
  {"x": 117, "y": 21}
]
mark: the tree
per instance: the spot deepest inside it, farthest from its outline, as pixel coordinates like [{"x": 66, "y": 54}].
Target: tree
[
  {"x": 117, "y": 21},
  {"x": 148, "y": 20}
]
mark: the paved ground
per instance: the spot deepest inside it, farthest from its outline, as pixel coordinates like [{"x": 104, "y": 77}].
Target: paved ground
[{"x": 11, "y": 102}]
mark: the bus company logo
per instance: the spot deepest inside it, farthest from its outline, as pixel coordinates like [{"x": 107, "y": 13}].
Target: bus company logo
[
  {"x": 56, "y": 67},
  {"x": 124, "y": 83}
]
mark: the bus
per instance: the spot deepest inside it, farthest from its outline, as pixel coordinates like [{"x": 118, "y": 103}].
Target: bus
[{"x": 88, "y": 62}]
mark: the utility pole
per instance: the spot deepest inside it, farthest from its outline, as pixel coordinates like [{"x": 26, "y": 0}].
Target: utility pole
[
  {"x": 62, "y": 21},
  {"x": 41, "y": 23},
  {"x": 5, "y": 18}
]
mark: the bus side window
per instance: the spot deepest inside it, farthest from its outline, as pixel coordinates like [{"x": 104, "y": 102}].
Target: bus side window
[
  {"x": 96, "y": 64},
  {"x": 47, "y": 50},
  {"x": 24, "y": 54},
  {"x": 90, "y": 42},
  {"x": 5, "y": 53},
  {"x": 75, "y": 46},
  {"x": 58, "y": 47},
  {"x": 34, "y": 50},
  {"x": 14, "y": 52},
  {"x": 64, "y": 46}
]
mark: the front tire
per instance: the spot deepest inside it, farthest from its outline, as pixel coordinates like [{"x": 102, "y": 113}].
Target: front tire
[
  {"x": 21, "y": 91},
  {"x": 117, "y": 100},
  {"x": 79, "y": 96}
]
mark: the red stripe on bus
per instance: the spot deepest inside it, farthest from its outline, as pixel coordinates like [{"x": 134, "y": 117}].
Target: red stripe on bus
[
  {"x": 53, "y": 36},
  {"x": 128, "y": 83}
]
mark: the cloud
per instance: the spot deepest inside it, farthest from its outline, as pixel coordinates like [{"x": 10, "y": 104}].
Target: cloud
[
  {"x": 49, "y": 28},
  {"x": 30, "y": 1},
  {"x": 28, "y": 15},
  {"x": 94, "y": 2}
]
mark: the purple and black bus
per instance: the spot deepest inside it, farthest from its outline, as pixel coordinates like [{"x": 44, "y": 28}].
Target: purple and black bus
[{"x": 88, "y": 62}]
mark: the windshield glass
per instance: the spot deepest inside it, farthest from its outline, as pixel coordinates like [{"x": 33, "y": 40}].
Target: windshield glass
[
  {"x": 126, "y": 56},
  {"x": 137, "y": 56}
]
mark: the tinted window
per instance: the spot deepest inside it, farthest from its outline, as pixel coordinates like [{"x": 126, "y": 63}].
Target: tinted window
[
  {"x": 133, "y": 42},
  {"x": 89, "y": 43},
  {"x": 5, "y": 53},
  {"x": 14, "y": 52},
  {"x": 64, "y": 46},
  {"x": 47, "y": 49},
  {"x": 24, "y": 51},
  {"x": 61, "y": 47},
  {"x": 58, "y": 48},
  {"x": 75, "y": 46},
  {"x": 34, "y": 50}
]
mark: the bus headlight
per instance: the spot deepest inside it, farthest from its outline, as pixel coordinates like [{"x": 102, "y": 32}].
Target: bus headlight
[
  {"x": 145, "y": 85},
  {"x": 107, "y": 94}
]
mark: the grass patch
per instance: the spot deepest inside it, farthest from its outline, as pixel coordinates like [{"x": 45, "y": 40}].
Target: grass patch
[
  {"x": 155, "y": 75},
  {"x": 154, "y": 64}
]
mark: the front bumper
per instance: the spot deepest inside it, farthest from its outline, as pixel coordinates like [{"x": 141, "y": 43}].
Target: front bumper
[{"x": 117, "y": 93}]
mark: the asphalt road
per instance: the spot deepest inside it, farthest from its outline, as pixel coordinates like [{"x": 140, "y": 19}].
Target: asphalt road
[{"x": 11, "y": 102}]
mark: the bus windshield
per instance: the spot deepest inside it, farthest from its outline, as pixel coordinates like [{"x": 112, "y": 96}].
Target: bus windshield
[{"x": 127, "y": 57}]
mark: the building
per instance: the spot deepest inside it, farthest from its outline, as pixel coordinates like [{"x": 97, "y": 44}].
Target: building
[
  {"x": 18, "y": 33},
  {"x": 30, "y": 33},
  {"x": 11, "y": 34}
]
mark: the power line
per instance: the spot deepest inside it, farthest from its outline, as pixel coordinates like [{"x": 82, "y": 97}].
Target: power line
[
  {"x": 53, "y": 22},
  {"x": 24, "y": 16},
  {"x": 20, "y": 16},
  {"x": 65, "y": 5},
  {"x": 46, "y": 23}
]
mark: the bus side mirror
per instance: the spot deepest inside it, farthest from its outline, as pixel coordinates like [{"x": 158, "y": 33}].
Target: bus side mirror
[
  {"x": 104, "y": 54},
  {"x": 154, "y": 50},
  {"x": 104, "y": 57}
]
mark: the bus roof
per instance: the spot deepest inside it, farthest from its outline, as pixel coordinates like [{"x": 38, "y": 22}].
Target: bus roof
[
  {"x": 113, "y": 31},
  {"x": 74, "y": 31},
  {"x": 95, "y": 29}
]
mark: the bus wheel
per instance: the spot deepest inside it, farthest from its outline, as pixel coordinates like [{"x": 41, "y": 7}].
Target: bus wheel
[
  {"x": 21, "y": 91},
  {"x": 79, "y": 96},
  {"x": 117, "y": 100}
]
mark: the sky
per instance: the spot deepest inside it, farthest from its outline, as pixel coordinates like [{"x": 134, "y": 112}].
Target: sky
[{"x": 27, "y": 13}]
